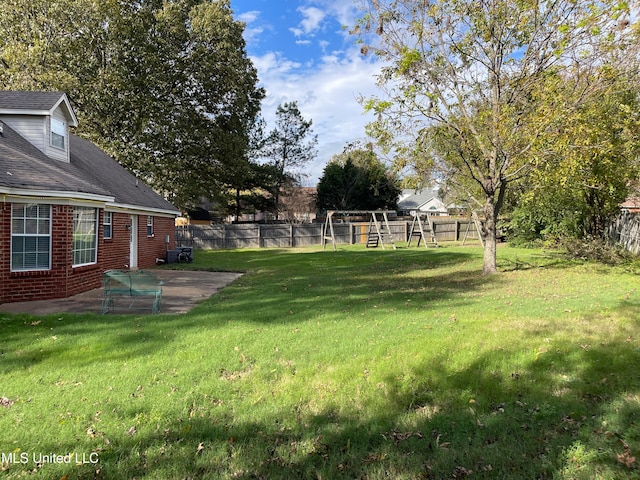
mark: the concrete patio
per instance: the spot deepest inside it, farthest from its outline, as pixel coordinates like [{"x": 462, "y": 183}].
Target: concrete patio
[{"x": 181, "y": 291}]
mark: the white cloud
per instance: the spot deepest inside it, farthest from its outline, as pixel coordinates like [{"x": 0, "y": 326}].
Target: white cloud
[
  {"x": 249, "y": 17},
  {"x": 326, "y": 87},
  {"x": 254, "y": 28},
  {"x": 311, "y": 22},
  {"x": 327, "y": 94}
]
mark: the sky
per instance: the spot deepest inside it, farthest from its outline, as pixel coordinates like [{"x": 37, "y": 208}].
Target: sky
[{"x": 303, "y": 52}]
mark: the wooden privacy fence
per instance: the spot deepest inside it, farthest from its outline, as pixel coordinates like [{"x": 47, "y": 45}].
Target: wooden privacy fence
[
  {"x": 254, "y": 235},
  {"x": 625, "y": 230}
]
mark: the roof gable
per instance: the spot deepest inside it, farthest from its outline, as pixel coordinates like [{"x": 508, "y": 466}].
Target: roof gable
[
  {"x": 24, "y": 168},
  {"x": 36, "y": 103},
  {"x": 417, "y": 199},
  {"x": 90, "y": 172}
]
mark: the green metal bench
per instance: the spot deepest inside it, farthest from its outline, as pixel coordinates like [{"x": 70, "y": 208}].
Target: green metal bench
[{"x": 133, "y": 284}]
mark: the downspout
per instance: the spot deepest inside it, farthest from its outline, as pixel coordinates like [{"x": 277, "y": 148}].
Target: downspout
[{"x": 3, "y": 251}]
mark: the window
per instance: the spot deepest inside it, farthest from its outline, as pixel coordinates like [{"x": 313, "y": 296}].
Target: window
[
  {"x": 107, "y": 224},
  {"x": 85, "y": 221},
  {"x": 30, "y": 237},
  {"x": 58, "y": 133},
  {"x": 149, "y": 226}
]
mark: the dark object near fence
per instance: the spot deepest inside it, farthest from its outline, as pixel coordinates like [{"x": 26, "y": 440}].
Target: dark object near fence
[
  {"x": 180, "y": 255},
  {"x": 132, "y": 285}
]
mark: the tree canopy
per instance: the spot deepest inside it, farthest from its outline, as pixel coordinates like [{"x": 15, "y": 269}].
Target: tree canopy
[
  {"x": 357, "y": 180},
  {"x": 165, "y": 86},
  {"x": 467, "y": 84},
  {"x": 585, "y": 169},
  {"x": 289, "y": 146}
]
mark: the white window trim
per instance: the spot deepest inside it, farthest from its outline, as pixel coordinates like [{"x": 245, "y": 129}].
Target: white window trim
[
  {"x": 95, "y": 238},
  {"x": 109, "y": 223},
  {"x": 58, "y": 127},
  {"x": 49, "y": 235}
]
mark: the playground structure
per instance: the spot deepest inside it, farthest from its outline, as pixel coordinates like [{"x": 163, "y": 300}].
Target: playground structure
[
  {"x": 473, "y": 217},
  {"x": 379, "y": 233},
  {"x": 422, "y": 229},
  {"x": 378, "y": 230}
]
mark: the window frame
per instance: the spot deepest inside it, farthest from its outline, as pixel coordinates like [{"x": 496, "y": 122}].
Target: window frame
[
  {"x": 82, "y": 255},
  {"x": 37, "y": 235},
  {"x": 58, "y": 129},
  {"x": 150, "y": 226},
  {"x": 107, "y": 225}
]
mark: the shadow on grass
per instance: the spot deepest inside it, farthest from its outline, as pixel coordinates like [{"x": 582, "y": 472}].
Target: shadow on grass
[
  {"x": 550, "y": 415},
  {"x": 283, "y": 286},
  {"x": 83, "y": 340},
  {"x": 557, "y": 413}
]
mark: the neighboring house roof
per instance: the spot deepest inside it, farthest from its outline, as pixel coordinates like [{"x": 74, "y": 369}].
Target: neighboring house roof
[
  {"x": 418, "y": 199},
  {"x": 89, "y": 174},
  {"x": 631, "y": 203}
]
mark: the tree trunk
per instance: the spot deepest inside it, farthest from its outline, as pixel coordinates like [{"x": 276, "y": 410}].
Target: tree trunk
[
  {"x": 491, "y": 208},
  {"x": 237, "y": 206}
]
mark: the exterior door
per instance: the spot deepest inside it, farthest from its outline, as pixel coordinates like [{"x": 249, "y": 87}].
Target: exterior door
[{"x": 133, "y": 243}]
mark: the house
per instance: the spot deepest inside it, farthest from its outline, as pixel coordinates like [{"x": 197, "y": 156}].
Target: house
[
  {"x": 68, "y": 211},
  {"x": 298, "y": 204},
  {"x": 424, "y": 201}
]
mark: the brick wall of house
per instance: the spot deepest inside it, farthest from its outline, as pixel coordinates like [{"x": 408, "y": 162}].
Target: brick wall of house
[
  {"x": 114, "y": 252},
  {"x": 63, "y": 280},
  {"x": 153, "y": 247}
]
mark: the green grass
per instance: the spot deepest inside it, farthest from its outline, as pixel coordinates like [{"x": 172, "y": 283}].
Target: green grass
[{"x": 359, "y": 363}]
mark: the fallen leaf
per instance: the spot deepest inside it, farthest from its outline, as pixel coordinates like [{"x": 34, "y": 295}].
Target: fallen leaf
[
  {"x": 132, "y": 430},
  {"x": 200, "y": 448},
  {"x": 36, "y": 322},
  {"x": 626, "y": 459}
]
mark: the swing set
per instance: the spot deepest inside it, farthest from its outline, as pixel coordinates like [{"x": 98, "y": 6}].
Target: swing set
[{"x": 379, "y": 231}]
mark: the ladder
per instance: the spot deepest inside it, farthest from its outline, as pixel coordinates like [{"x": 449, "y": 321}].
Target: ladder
[
  {"x": 422, "y": 230},
  {"x": 379, "y": 229},
  {"x": 476, "y": 221},
  {"x": 328, "y": 224}
]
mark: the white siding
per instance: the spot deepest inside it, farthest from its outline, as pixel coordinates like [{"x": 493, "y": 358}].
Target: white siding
[
  {"x": 37, "y": 130},
  {"x": 32, "y": 127}
]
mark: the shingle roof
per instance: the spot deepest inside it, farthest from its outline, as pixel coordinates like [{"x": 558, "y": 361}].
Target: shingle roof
[
  {"x": 90, "y": 170},
  {"x": 415, "y": 199},
  {"x": 23, "y": 166},
  {"x": 108, "y": 173},
  {"x": 29, "y": 100}
]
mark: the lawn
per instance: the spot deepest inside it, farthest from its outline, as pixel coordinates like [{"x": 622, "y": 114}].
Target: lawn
[{"x": 404, "y": 364}]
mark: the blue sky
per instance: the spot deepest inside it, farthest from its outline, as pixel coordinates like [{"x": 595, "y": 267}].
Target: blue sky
[{"x": 303, "y": 53}]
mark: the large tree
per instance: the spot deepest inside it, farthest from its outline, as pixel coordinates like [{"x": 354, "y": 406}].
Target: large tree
[
  {"x": 467, "y": 74},
  {"x": 163, "y": 85},
  {"x": 290, "y": 145},
  {"x": 357, "y": 180},
  {"x": 585, "y": 168}
]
